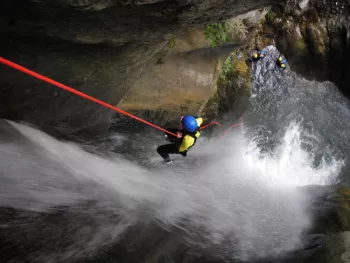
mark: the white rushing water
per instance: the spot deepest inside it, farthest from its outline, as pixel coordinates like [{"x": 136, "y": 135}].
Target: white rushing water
[
  {"x": 243, "y": 193},
  {"x": 229, "y": 189}
]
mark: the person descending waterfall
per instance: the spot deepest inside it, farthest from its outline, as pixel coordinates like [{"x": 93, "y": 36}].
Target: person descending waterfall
[
  {"x": 281, "y": 62},
  {"x": 255, "y": 57},
  {"x": 188, "y": 133}
]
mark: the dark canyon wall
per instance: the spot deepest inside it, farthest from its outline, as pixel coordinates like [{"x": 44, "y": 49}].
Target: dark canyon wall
[{"x": 99, "y": 47}]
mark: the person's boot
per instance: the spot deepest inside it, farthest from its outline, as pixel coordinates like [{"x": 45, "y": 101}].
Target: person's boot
[{"x": 168, "y": 160}]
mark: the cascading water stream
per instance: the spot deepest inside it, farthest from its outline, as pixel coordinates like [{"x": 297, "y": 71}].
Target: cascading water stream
[{"x": 241, "y": 195}]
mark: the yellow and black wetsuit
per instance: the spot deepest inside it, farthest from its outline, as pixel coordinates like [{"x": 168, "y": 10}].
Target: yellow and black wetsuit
[
  {"x": 182, "y": 145},
  {"x": 281, "y": 62},
  {"x": 189, "y": 139}
]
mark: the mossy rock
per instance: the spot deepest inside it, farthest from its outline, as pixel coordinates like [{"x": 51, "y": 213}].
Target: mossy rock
[
  {"x": 241, "y": 68},
  {"x": 172, "y": 43},
  {"x": 299, "y": 45},
  {"x": 211, "y": 109},
  {"x": 234, "y": 88},
  {"x": 317, "y": 38},
  {"x": 271, "y": 15}
]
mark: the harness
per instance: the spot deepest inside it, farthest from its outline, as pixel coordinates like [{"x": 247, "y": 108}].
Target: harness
[{"x": 193, "y": 135}]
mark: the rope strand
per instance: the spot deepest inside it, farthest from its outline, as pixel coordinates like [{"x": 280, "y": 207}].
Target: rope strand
[{"x": 102, "y": 103}]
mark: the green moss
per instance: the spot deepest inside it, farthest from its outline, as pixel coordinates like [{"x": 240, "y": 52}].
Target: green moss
[
  {"x": 270, "y": 15},
  {"x": 233, "y": 85},
  {"x": 216, "y": 34},
  {"x": 227, "y": 68},
  {"x": 344, "y": 209},
  {"x": 172, "y": 43},
  {"x": 299, "y": 44},
  {"x": 241, "y": 67}
]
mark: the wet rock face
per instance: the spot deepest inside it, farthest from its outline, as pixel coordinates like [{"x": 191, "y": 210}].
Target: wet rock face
[
  {"x": 234, "y": 86},
  {"x": 99, "y": 71},
  {"x": 81, "y": 4},
  {"x": 173, "y": 95},
  {"x": 100, "y": 47},
  {"x": 328, "y": 53},
  {"x": 315, "y": 40},
  {"x": 116, "y": 22},
  {"x": 331, "y": 7}
]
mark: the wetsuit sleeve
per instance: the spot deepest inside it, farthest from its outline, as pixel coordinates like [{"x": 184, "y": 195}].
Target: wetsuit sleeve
[{"x": 186, "y": 143}]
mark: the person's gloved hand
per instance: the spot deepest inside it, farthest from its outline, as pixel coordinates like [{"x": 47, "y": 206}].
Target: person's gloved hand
[{"x": 179, "y": 135}]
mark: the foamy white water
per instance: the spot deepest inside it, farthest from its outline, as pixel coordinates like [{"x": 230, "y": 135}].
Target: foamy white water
[
  {"x": 229, "y": 190},
  {"x": 292, "y": 165}
]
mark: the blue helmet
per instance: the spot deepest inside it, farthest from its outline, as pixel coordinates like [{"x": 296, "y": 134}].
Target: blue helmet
[{"x": 189, "y": 123}]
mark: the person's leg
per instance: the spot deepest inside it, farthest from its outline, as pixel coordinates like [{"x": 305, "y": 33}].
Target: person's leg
[{"x": 165, "y": 150}]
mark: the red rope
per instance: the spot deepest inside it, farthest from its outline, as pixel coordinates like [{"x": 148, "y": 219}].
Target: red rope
[
  {"x": 229, "y": 128},
  {"x": 88, "y": 97},
  {"x": 218, "y": 124},
  {"x": 78, "y": 93},
  {"x": 211, "y": 123}
]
